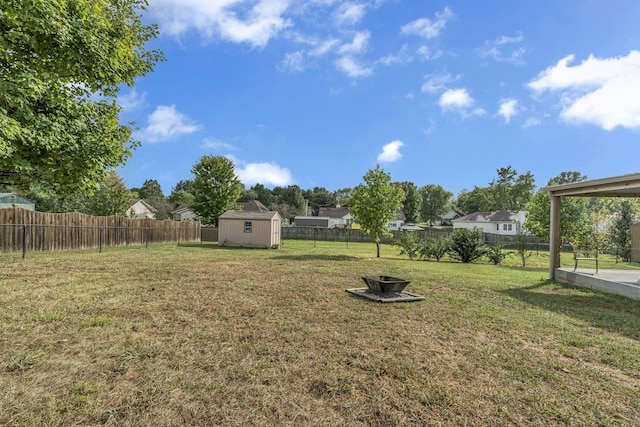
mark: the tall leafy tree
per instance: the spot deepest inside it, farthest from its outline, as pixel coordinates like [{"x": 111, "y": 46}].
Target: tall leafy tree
[
  {"x": 216, "y": 188},
  {"x": 435, "y": 202},
  {"x": 412, "y": 202},
  {"x": 511, "y": 191},
  {"x": 320, "y": 197},
  {"x": 343, "y": 196},
  {"x": 375, "y": 203},
  {"x": 574, "y": 222},
  {"x": 151, "y": 190},
  {"x": 111, "y": 198},
  {"x": 625, "y": 214},
  {"x": 62, "y": 64}
]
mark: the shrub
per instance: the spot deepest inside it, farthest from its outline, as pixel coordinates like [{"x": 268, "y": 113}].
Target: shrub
[
  {"x": 496, "y": 254},
  {"x": 435, "y": 248},
  {"x": 409, "y": 245},
  {"x": 467, "y": 245}
]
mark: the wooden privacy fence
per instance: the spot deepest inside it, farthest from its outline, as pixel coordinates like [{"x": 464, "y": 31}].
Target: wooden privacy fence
[
  {"x": 351, "y": 235},
  {"x": 25, "y": 230}
]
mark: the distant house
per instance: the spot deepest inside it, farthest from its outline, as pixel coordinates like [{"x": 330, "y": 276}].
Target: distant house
[
  {"x": 184, "y": 213},
  {"x": 253, "y": 205},
  {"x": 140, "y": 209},
  {"x": 9, "y": 200},
  {"x": 497, "y": 222},
  {"x": 338, "y": 217},
  {"x": 249, "y": 229},
  {"x": 448, "y": 217},
  {"x": 397, "y": 223},
  {"x": 311, "y": 221}
]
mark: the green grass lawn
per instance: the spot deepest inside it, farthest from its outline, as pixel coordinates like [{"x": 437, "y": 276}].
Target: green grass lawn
[{"x": 202, "y": 335}]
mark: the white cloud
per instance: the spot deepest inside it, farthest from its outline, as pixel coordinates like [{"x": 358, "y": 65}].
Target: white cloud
[
  {"x": 402, "y": 57},
  {"x": 459, "y": 101},
  {"x": 263, "y": 173},
  {"x": 532, "y": 121},
  {"x": 349, "y": 13},
  {"x": 358, "y": 44},
  {"x": 232, "y": 20},
  {"x": 293, "y": 62},
  {"x": 508, "y": 108},
  {"x": 438, "y": 82},
  {"x": 132, "y": 100},
  {"x": 350, "y": 67},
  {"x": 165, "y": 123},
  {"x": 499, "y": 49},
  {"x": 604, "y": 92},
  {"x": 425, "y": 27},
  {"x": 391, "y": 152},
  {"x": 426, "y": 53},
  {"x": 217, "y": 145},
  {"x": 324, "y": 47}
]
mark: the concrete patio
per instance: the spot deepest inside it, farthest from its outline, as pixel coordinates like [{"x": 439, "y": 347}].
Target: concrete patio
[{"x": 621, "y": 282}]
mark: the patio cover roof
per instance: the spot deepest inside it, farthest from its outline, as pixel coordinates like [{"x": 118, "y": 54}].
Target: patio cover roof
[{"x": 619, "y": 186}]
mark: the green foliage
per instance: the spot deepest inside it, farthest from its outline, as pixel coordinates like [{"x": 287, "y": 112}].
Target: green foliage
[
  {"x": 412, "y": 202},
  {"x": 111, "y": 198},
  {"x": 467, "y": 245},
  {"x": 510, "y": 191},
  {"x": 343, "y": 196},
  {"x": 63, "y": 66},
  {"x": 522, "y": 245},
  {"x": 376, "y": 203},
  {"x": 435, "y": 248},
  {"x": 216, "y": 188},
  {"x": 434, "y": 202},
  {"x": 496, "y": 254},
  {"x": 625, "y": 214},
  {"x": 289, "y": 200},
  {"x": 150, "y": 190},
  {"x": 318, "y": 198},
  {"x": 181, "y": 197},
  {"x": 409, "y": 245},
  {"x": 574, "y": 223}
]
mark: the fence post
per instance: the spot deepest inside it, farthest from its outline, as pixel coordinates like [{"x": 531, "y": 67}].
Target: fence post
[
  {"x": 24, "y": 241},
  {"x": 100, "y": 232},
  {"x": 146, "y": 237}
]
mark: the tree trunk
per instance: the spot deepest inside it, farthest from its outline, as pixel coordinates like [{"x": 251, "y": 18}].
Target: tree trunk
[{"x": 377, "y": 247}]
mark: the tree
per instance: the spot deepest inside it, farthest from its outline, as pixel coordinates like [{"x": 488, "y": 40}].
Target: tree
[
  {"x": 111, "y": 198},
  {"x": 412, "y": 202},
  {"x": 61, "y": 67},
  {"x": 292, "y": 196},
  {"x": 435, "y": 201},
  {"x": 376, "y": 203},
  {"x": 181, "y": 197},
  {"x": 150, "y": 190},
  {"x": 216, "y": 188},
  {"x": 574, "y": 222},
  {"x": 625, "y": 215},
  {"x": 343, "y": 196},
  {"x": 511, "y": 192},
  {"x": 320, "y": 198}
]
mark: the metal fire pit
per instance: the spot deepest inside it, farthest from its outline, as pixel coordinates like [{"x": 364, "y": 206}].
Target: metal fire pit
[
  {"x": 384, "y": 284},
  {"x": 385, "y": 289}
]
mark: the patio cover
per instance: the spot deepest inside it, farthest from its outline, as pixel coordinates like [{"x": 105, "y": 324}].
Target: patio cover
[{"x": 620, "y": 186}]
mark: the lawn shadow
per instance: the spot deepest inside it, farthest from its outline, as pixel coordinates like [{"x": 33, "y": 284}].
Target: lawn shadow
[{"x": 605, "y": 311}]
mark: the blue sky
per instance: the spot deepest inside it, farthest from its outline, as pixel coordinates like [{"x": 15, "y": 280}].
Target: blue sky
[{"x": 317, "y": 92}]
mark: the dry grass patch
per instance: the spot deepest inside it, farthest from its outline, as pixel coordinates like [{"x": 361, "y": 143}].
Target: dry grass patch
[{"x": 202, "y": 335}]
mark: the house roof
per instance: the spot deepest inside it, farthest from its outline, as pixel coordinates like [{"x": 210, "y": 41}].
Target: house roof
[
  {"x": 452, "y": 214},
  {"x": 147, "y": 205},
  {"x": 182, "y": 208},
  {"x": 496, "y": 216},
  {"x": 249, "y": 215},
  {"x": 333, "y": 212},
  {"x": 253, "y": 205}
]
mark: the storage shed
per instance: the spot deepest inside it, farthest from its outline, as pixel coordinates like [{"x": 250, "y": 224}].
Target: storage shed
[{"x": 249, "y": 229}]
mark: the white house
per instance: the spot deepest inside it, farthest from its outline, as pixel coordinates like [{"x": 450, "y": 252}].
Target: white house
[
  {"x": 499, "y": 222},
  {"x": 397, "y": 224},
  {"x": 338, "y": 217},
  {"x": 184, "y": 213},
  {"x": 141, "y": 209}
]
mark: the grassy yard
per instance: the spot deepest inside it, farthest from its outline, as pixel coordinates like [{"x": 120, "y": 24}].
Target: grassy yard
[{"x": 202, "y": 335}]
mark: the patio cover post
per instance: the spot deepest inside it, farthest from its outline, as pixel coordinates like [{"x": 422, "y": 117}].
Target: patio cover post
[{"x": 554, "y": 235}]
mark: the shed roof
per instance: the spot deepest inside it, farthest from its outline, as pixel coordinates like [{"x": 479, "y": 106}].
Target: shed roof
[{"x": 250, "y": 215}]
